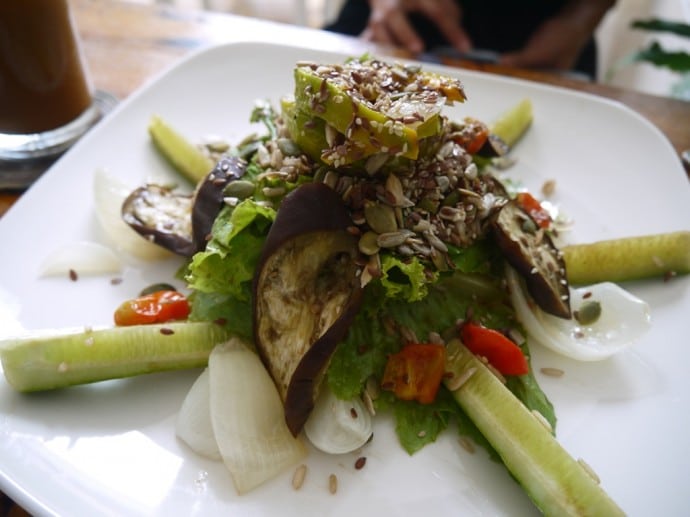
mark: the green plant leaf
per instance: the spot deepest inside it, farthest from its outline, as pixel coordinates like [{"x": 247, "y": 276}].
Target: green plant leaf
[
  {"x": 658, "y": 25},
  {"x": 656, "y": 55}
]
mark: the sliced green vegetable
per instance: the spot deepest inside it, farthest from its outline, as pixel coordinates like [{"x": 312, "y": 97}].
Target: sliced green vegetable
[
  {"x": 184, "y": 156},
  {"x": 307, "y": 131},
  {"x": 556, "y": 482},
  {"x": 630, "y": 258},
  {"x": 513, "y": 123},
  {"x": 49, "y": 360},
  {"x": 395, "y": 109}
]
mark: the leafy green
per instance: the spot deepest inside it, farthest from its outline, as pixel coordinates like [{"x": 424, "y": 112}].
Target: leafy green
[
  {"x": 656, "y": 55},
  {"x": 373, "y": 336},
  {"x": 228, "y": 263},
  {"x": 263, "y": 112},
  {"x": 405, "y": 280},
  {"x": 659, "y": 25},
  {"x": 233, "y": 313}
]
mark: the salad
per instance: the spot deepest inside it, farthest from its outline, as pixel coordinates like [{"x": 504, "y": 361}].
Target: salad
[{"x": 415, "y": 288}]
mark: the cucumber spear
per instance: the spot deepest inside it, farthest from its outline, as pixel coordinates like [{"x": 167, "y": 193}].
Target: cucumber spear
[
  {"x": 630, "y": 258},
  {"x": 43, "y": 361},
  {"x": 556, "y": 483}
]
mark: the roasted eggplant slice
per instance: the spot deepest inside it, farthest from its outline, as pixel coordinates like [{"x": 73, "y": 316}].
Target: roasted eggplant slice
[
  {"x": 306, "y": 294},
  {"x": 178, "y": 222},
  {"x": 162, "y": 216},
  {"x": 208, "y": 199},
  {"x": 532, "y": 253}
]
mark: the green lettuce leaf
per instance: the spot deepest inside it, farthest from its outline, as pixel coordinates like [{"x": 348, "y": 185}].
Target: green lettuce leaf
[
  {"x": 405, "y": 280},
  {"x": 228, "y": 263},
  {"x": 454, "y": 296}
]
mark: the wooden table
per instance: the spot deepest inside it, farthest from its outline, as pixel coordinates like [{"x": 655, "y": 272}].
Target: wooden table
[{"x": 125, "y": 45}]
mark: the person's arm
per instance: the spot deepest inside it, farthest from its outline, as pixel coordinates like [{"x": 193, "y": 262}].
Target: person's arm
[
  {"x": 558, "y": 41},
  {"x": 388, "y": 22}
]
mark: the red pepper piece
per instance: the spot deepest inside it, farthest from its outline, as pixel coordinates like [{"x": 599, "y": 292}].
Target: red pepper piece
[
  {"x": 501, "y": 352},
  {"x": 473, "y": 135},
  {"x": 530, "y": 205}
]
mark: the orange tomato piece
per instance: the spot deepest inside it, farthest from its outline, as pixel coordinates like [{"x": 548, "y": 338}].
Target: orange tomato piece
[
  {"x": 415, "y": 372},
  {"x": 157, "y": 307}
]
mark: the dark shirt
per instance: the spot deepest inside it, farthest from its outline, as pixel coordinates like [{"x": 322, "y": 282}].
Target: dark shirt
[{"x": 496, "y": 25}]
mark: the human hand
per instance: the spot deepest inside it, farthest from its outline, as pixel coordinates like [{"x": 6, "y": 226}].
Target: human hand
[
  {"x": 557, "y": 43},
  {"x": 388, "y": 23}
]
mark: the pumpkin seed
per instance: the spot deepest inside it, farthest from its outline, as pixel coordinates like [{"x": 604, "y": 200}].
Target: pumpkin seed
[
  {"x": 240, "y": 189},
  {"x": 380, "y": 218},
  {"x": 367, "y": 243},
  {"x": 288, "y": 147},
  {"x": 588, "y": 313}
]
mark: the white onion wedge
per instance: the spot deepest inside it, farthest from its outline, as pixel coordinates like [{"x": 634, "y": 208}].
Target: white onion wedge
[
  {"x": 248, "y": 417},
  {"x": 624, "y": 318},
  {"x": 338, "y": 426},
  {"x": 84, "y": 257},
  {"x": 193, "y": 425},
  {"x": 109, "y": 194}
]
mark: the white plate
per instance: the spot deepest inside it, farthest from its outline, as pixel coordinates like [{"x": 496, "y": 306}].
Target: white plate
[{"x": 110, "y": 448}]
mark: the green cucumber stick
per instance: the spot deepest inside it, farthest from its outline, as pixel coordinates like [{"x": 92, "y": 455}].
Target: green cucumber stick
[
  {"x": 556, "y": 483},
  {"x": 513, "y": 123},
  {"x": 184, "y": 156},
  {"x": 629, "y": 258},
  {"x": 43, "y": 361}
]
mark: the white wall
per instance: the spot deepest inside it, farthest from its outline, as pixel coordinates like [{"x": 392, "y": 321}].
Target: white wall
[{"x": 617, "y": 39}]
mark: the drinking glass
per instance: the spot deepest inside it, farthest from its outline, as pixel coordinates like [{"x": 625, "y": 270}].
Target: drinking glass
[{"x": 46, "y": 98}]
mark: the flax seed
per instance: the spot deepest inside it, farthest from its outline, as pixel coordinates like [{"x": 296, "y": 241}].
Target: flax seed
[{"x": 552, "y": 372}]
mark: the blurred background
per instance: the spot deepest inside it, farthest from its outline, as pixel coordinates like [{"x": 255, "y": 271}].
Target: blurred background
[{"x": 616, "y": 38}]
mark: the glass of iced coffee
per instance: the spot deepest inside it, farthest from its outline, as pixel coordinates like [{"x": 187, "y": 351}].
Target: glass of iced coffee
[{"x": 46, "y": 99}]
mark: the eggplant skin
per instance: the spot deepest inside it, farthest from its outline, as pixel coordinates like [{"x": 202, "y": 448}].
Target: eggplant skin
[
  {"x": 209, "y": 195},
  {"x": 161, "y": 216},
  {"x": 179, "y": 222},
  {"x": 306, "y": 294},
  {"x": 535, "y": 257}
]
